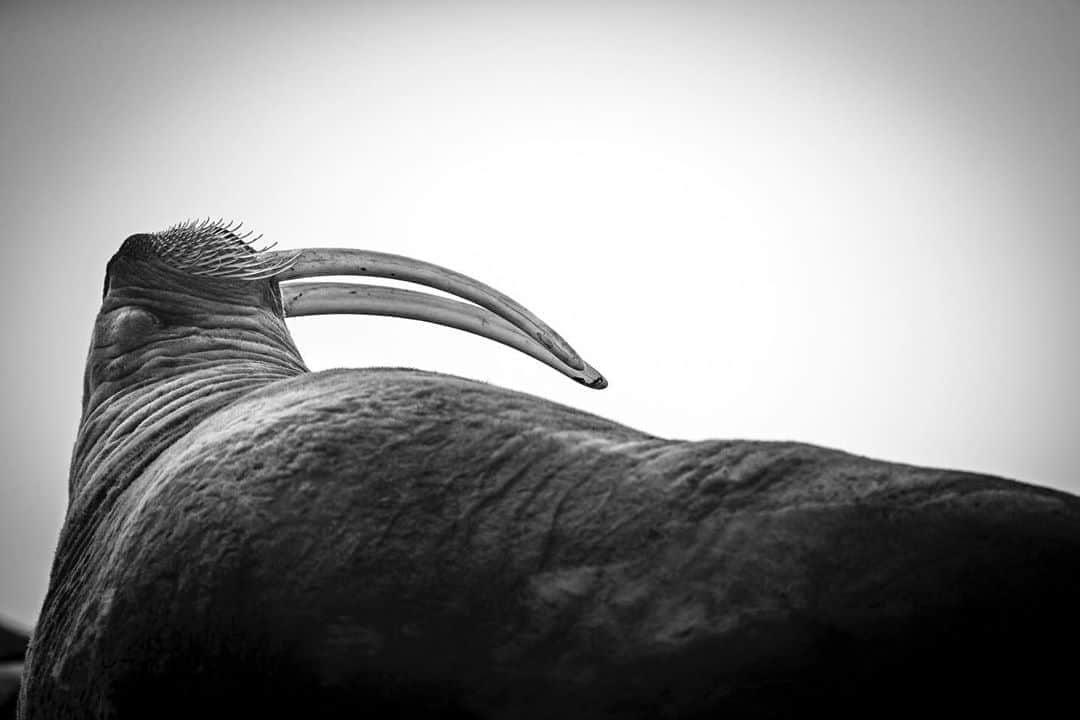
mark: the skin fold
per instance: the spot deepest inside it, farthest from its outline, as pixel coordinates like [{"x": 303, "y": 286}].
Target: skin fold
[{"x": 245, "y": 535}]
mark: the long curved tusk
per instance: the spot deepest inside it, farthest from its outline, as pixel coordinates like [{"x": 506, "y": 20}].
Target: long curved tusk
[
  {"x": 321, "y": 262},
  {"x": 322, "y": 298}
]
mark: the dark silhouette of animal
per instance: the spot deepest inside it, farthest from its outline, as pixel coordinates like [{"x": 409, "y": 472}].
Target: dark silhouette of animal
[
  {"x": 12, "y": 652},
  {"x": 244, "y": 535}
]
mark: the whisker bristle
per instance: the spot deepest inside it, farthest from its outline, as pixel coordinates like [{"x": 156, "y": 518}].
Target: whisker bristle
[{"x": 217, "y": 248}]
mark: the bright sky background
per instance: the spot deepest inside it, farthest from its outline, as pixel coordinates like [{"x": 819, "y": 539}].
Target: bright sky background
[{"x": 846, "y": 223}]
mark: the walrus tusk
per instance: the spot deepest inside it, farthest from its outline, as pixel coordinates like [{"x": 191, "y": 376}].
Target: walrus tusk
[
  {"x": 323, "y": 262},
  {"x": 323, "y": 298}
]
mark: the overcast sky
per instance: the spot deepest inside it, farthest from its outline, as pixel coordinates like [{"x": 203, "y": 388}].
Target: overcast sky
[{"x": 845, "y": 223}]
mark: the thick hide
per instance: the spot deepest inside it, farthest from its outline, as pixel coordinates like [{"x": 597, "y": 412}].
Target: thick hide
[{"x": 390, "y": 543}]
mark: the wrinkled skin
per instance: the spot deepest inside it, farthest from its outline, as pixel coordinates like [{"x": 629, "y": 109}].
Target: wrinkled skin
[{"x": 397, "y": 543}]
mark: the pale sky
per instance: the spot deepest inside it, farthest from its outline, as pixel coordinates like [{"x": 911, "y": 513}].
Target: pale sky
[{"x": 845, "y": 223}]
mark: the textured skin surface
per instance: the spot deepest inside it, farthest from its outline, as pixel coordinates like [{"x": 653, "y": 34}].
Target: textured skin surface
[
  {"x": 395, "y": 543},
  {"x": 481, "y": 548}
]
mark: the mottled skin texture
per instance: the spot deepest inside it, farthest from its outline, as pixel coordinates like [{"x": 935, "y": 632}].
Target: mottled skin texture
[{"x": 397, "y": 543}]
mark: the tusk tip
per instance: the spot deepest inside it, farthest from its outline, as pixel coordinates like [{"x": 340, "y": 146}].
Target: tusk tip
[{"x": 598, "y": 382}]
